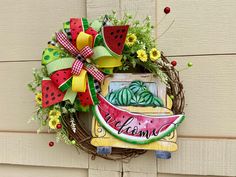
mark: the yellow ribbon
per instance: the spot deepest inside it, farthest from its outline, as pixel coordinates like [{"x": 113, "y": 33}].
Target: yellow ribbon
[
  {"x": 84, "y": 39},
  {"x": 79, "y": 82}
]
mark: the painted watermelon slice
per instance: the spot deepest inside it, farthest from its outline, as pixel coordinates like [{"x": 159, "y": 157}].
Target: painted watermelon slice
[
  {"x": 76, "y": 26},
  {"x": 131, "y": 127},
  {"x": 62, "y": 79},
  {"x": 114, "y": 38},
  {"x": 50, "y": 94}
]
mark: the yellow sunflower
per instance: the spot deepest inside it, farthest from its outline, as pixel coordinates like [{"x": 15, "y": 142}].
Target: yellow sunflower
[
  {"x": 38, "y": 98},
  {"x": 154, "y": 54},
  {"x": 54, "y": 114},
  {"x": 142, "y": 55},
  {"x": 130, "y": 39},
  {"x": 53, "y": 123}
]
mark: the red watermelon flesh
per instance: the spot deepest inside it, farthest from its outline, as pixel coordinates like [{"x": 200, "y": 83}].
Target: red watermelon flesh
[
  {"x": 133, "y": 127},
  {"x": 77, "y": 25},
  {"x": 61, "y": 77},
  {"x": 114, "y": 38},
  {"x": 85, "y": 98},
  {"x": 50, "y": 94},
  {"x": 96, "y": 37}
]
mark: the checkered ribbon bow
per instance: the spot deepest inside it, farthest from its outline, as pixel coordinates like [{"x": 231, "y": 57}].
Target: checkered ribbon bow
[{"x": 80, "y": 56}]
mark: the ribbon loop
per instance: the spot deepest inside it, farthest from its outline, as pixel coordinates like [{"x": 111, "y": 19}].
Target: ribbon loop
[
  {"x": 86, "y": 52},
  {"x": 76, "y": 67},
  {"x": 62, "y": 39}
]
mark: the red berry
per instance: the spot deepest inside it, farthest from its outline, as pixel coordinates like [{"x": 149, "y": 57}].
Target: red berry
[
  {"x": 51, "y": 143},
  {"x": 167, "y": 10},
  {"x": 174, "y": 63},
  {"x": 59, "y": 126}
]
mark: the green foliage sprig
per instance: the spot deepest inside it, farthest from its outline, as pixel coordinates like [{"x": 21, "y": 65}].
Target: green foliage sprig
[{"x": 143, "y": 31}]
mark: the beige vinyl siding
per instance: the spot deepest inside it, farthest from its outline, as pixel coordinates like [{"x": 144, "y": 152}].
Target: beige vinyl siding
[{"x": 203, "y": 32}]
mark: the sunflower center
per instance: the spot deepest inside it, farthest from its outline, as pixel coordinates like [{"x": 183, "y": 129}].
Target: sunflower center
[
  {"x": 53, "y": 113},
  {"x": 54, "y": 122},
  {"x": 154, "y": 53},
  {"x": 131, "y": 39}
]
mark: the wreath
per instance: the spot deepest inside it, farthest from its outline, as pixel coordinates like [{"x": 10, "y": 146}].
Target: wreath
[{"x": 75, "y": 65}]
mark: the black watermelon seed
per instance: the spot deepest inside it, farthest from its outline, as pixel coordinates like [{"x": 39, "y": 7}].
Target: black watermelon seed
[
  {"x": 151, "y": 121},
  {"x": 47, "y": 102},
  {"x": 112, "y": 33},
  {"x": 64, "y": 72},
  {"x": 123, "y": 30},
  {"x": 53, "y": 98},
  {"x": 121, "y": 36},
  {"x": 116, "y": 36},
  {"x": 118, "y": 31},
  {"x": 52, "y": 93},
  {"x": 74, "y": 23},
  {"x": 139, "y": 123},
  {"x": 47, "y": 88},
  {"x": 118, "y": 43},
  {"x": 57, "y": 74},
  {"x": 57, "y": 80},
  {"x": 59, "y": 95},
  {"x": 46, "y": 95},
  {"x": 64, "y": 79}
]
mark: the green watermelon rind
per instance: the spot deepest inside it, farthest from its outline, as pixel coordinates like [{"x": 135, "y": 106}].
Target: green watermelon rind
[
  {"x": 136, "y": 140},
  {"x": 65, "y": 85},
  {"x": 97, "y": 40},
  {"x": 85, "y": 24},
  {"x": 92, "y": 90}
]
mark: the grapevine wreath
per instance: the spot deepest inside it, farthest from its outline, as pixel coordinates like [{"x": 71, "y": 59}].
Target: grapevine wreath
[{"x": 75, "y": 64}]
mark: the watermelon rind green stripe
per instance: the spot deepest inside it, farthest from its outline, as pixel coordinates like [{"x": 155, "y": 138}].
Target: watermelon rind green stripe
[
  {"x": 85, "y": 24},
  {"x": 98, "y": 39},
  {"x": 92, "y": 90},
  {"x": 65, "y": 85}
]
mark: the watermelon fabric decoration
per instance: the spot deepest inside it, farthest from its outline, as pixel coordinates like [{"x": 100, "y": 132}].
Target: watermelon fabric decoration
[
  {"x": 62, "y": 79},
  {"x": 114, "y": 38},
  {"x": 50, "y": 93},
  {"x": 78, "y": 66},
  {"x": 77, "y": 25}
]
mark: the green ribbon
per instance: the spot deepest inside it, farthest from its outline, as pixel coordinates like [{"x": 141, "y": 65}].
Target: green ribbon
[
  {"x": 70, "y": 95},
  {"x": 59, "y": 64}
]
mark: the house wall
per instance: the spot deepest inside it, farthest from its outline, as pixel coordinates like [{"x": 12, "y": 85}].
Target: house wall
[{"x": 203, "y": 32}]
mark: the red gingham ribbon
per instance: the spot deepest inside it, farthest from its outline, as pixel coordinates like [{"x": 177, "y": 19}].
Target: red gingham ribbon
[
  {"x": 76, "y": 67},
  {"x": 86, "y": 52},
  {"x": 62, "y": 39}
]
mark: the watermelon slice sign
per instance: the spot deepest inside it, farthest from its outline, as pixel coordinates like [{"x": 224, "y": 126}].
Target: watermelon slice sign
[{"x": 134, "y": 128}]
